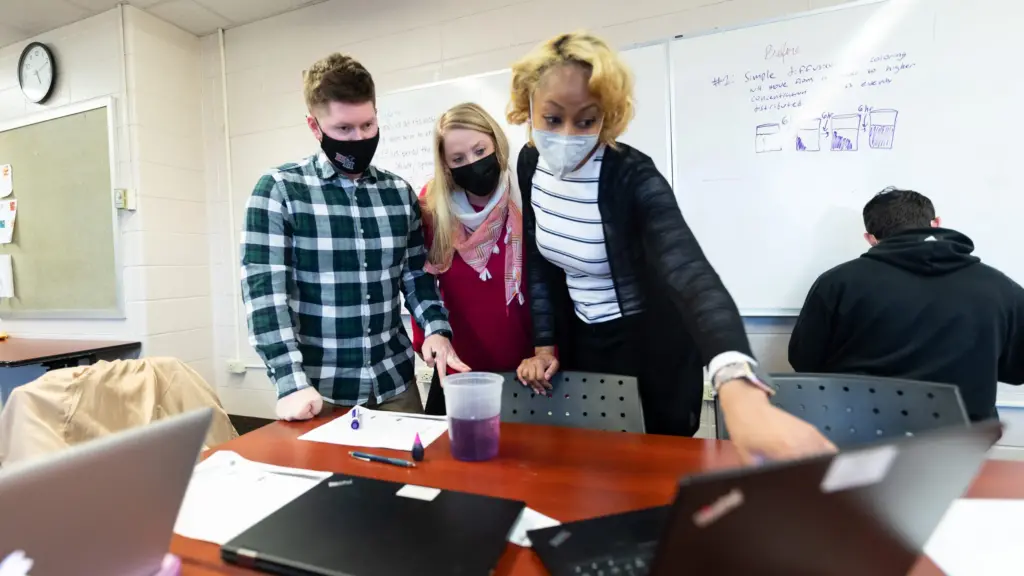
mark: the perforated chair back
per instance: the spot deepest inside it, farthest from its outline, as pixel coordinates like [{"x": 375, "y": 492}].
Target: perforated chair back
[
  {"x": 578, "y": 400},
  {"x": 852, "y": 410}
]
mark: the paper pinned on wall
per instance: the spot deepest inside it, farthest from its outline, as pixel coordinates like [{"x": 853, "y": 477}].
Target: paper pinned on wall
[
  {"x": 6, "y": 180},
  {"x": 6, "y": 276},
  {"x": 8, "y": 210}
]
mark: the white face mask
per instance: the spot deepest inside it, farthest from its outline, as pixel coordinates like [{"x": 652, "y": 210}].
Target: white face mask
[{"x": 562, "y": 152}]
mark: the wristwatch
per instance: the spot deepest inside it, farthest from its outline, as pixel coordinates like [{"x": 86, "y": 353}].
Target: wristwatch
[{"x": 743, "y": 371}]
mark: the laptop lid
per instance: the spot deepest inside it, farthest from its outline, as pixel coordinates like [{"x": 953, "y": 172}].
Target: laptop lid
[
  {"x": 353, "y": 526},
  {"x": 104, "y": 507},
  {"x": 863, "y": 511}
]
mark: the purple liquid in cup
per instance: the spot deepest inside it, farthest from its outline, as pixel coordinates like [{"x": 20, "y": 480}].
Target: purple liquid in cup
[{"x": 474, "y": 440}]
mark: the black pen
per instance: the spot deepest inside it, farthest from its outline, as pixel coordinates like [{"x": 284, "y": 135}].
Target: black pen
[{"x": 382, "y": 459}]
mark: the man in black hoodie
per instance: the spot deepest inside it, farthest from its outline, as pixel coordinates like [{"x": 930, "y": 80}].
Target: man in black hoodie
[{"x": 917, "y": 305}]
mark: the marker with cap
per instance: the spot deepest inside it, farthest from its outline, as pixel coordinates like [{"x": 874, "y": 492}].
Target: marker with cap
[
  {"x": 356, "y": 417},
  {"x": 417, "y": 449}
]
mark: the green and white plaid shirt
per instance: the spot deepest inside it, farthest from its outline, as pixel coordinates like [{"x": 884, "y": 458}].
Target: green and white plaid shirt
[{"x": 324, "y": 259}]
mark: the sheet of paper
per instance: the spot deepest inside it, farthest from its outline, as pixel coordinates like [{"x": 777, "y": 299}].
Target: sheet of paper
[
  {"x": 8, "y": 210},
  {"x": 229, "y": 494},
  {"x": 378, "y": 429},
  {"x": 6, "y": 180},
  {"x": 6, "y": 276},
  {"x": 979, "y": 538},
  {"x": 529, "y": 519}
]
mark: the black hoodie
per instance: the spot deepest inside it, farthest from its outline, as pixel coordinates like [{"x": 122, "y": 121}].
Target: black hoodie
[{"x": 917, "y": 306}]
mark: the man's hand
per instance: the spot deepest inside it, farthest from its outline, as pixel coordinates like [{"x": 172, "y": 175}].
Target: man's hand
[
  {"x": 538, "y": 371},
  {"x": 438, "y": 352},
  {"x": 301, "y": 405},
  {"x": 760, "y": 430}
]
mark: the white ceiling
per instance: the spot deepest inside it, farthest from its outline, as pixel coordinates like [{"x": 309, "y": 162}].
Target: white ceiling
[{"x": 23, "y": 19}]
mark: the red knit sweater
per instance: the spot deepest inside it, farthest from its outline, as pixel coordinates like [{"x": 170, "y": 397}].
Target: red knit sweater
[{"x": 486, "y": 334}]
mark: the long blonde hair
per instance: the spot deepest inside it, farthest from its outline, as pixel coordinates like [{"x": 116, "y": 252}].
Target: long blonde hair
[{"x": 467, "y": 116}]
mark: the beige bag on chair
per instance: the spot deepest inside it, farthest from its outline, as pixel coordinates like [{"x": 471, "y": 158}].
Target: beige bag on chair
[{"x": 73, "y": 405}]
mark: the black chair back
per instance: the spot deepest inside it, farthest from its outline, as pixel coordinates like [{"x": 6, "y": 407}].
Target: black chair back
[
  {"x": 852, "y": 410},
  {"x": 578, "y": 400}
]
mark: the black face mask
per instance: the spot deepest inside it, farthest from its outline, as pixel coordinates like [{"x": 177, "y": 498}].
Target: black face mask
[
  {"x": 479, "y": 178},
  {"x": 350, "y": 156}
]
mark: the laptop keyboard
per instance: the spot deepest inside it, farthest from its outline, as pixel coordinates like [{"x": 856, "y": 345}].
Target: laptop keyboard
[{"x": 635, "y": 563}]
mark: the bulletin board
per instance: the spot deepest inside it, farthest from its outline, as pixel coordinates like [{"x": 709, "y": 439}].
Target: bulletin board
[{"x": 64, "y": 249}]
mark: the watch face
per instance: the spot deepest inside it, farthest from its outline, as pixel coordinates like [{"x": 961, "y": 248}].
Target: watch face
[{"x": 35, "y": 72}]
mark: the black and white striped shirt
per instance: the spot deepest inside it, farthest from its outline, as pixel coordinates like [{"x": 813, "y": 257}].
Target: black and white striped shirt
[{"x": 570, "y": 235}]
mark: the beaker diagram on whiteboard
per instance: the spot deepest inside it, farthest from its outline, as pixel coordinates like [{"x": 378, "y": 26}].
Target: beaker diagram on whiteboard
[
  {"x": 768, "y": 138},
  {"x": 808, "y": 135},
  {"x": 845, "y": 132},
  {"x": 882, "y": 129}
]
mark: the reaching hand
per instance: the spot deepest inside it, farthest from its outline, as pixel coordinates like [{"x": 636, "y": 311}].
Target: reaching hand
[
  {"x": 538, "y": 371},
  {"x": 301, "y": 405},
  {"x": 760, "y": 430},
  {"x": 438, "y": 351}
]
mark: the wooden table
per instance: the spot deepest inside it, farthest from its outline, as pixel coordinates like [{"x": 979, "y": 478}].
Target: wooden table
[
  {"x": 566, "y": 473},
  {"x": 16, "y": 352}
]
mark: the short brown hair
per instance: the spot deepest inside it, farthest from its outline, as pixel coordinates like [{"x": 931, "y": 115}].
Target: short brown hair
[{"x": 337, "y": 78}]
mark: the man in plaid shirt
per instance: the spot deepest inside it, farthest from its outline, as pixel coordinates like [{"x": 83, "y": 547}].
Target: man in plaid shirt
[{"x": 329, "y": 245}]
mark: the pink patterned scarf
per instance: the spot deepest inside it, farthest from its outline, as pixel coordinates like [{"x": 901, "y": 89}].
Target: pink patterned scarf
[{"x": 504, "y": 223}]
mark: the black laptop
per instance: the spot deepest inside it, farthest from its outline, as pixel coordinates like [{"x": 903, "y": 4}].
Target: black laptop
[
  {"x": 353, "y": 526},
  {"x": 859, "y": 512}
]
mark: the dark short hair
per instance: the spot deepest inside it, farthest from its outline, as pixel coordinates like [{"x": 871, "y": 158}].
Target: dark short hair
[
  {"x": 893, "y": 210},
  {"x": 337, "y": 78}
]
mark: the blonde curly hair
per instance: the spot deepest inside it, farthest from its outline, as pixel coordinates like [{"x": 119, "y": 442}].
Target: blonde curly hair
[{"x": 611, "y": 81}]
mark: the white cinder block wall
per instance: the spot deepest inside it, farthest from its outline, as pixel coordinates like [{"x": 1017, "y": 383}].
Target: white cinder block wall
[
  {"x": 165, "y": 90},
  {"x": 403, "y": 43},
  {"x": 164, "y": 245}
]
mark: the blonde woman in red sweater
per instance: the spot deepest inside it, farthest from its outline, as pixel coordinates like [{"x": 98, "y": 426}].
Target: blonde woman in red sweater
[{"x": 472, "y": 217}]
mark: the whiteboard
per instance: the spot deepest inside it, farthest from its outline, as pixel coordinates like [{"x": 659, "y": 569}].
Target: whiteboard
[
  {"x": 783, "y": 131},
  {"x": 407, "y": 117},
  {"x": 650, "y": 131}
]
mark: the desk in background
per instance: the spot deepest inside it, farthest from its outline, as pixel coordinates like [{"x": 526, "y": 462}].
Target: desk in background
[
  {"x": 22, "y": 360},
  {"x": 566, "y": 473}
]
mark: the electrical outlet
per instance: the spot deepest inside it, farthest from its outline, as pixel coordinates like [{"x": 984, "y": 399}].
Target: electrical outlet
[
  {"x": 124, "y": 199},
  {"x": 236, "y": 366},
  {"x": 709, "y": 393}
]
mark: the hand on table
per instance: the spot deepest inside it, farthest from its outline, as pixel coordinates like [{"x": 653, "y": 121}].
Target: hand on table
[
  {"x": 438, "y": 352},
  {"x": 300, "y": 405},
  {"x": 538, "y": 371},
  {"x": 760, "y": 430}
]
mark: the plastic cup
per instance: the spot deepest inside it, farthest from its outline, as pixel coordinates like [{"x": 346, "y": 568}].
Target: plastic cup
[{"x": 473, "y": 402}]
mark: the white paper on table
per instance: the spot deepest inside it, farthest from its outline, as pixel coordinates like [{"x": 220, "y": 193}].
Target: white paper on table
[
  {"x": 379, "y": 429},
  {"x": 8, "y": 210},
  {"x": 6, "y": 180},
  {"x": 229, "y": 494},
  {"x": 979, "y": 538},
  {"x": 529, "y": 519},
  {"x": 6, "y": 276}
]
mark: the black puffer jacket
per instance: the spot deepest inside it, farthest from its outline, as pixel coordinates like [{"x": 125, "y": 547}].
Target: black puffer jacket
[{"x": 659, "y": 270}]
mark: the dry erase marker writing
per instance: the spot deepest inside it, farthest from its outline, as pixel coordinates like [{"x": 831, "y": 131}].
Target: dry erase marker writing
[{"x": 382, "y": 459}]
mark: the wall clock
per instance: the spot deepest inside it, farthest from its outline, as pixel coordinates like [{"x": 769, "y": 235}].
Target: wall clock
[{"x": 37, "y": 72}]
